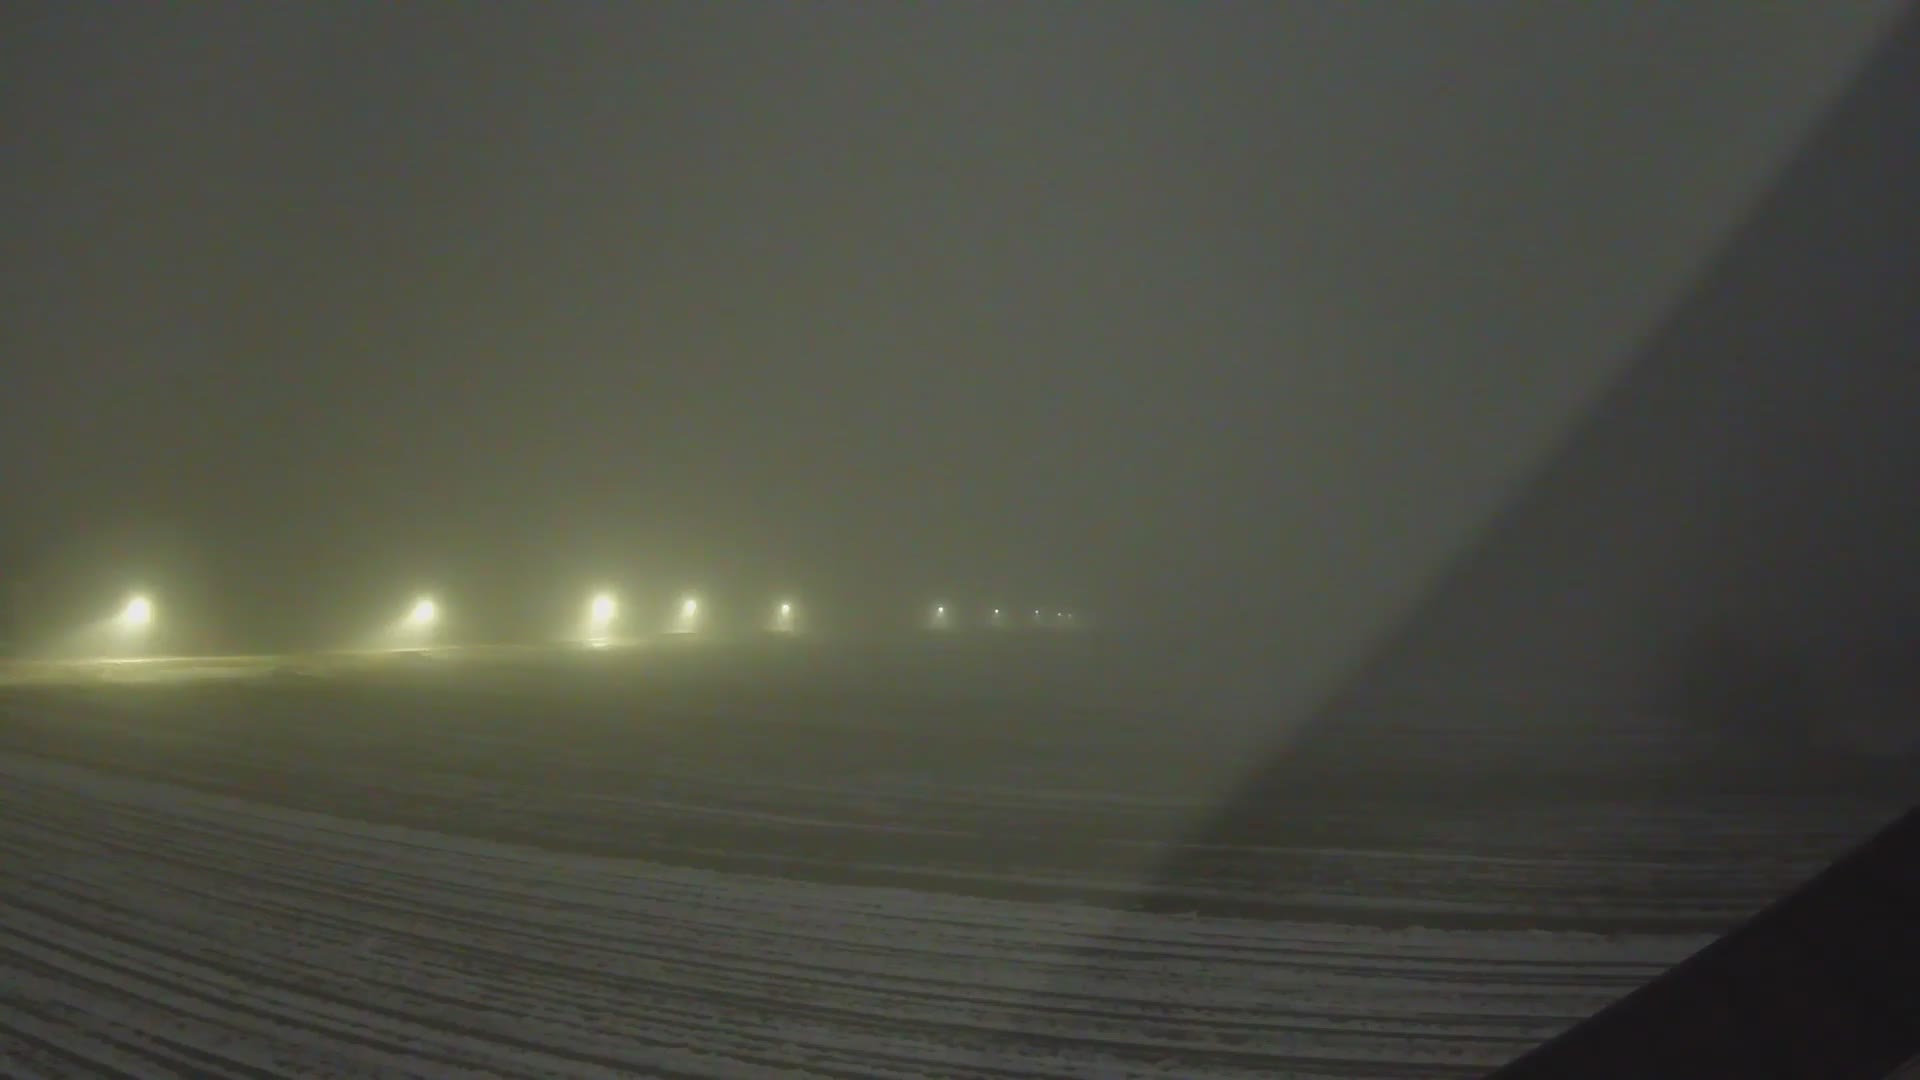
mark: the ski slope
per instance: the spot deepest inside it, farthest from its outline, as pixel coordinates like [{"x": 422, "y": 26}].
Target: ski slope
[
  {"x": 718, "y": 864},
  {"x": 150, "y": 930}
]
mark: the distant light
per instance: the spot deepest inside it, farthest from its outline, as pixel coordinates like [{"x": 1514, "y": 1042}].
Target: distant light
[
  {"x": 601, "y": 609},
  {"x": 786, "y": 609},
  {"x": 424, "y": 612},
  {"x": 940, "y": 610},
  {"x": 138, "y": 612},
  {"x": 996, "y": 613},
  {"x": 688, "y": 619}
]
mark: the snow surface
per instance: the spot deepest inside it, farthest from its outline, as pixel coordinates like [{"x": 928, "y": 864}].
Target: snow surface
[{"x": 151, "y": 930}]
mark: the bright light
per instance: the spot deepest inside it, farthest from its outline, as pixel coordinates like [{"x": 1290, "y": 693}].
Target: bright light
[
  {"x": 688, "y": 619},
  {"x": 137, "y": 613},
  {"x": 601, "y": 610},
  {"x": 783, "y": 621},
  {"x": 424, "y": 612}
]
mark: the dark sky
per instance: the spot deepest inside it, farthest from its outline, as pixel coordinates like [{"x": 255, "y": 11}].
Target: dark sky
[
  {"x": 1725, "y": 543},
  {"x": 1161, "y": 311}
]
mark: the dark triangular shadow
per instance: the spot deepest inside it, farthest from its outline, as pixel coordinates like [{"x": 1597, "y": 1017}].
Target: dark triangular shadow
[
  {"x": 1715, "y": 582},
  {"x": 1737, "y": 518},
  {"x": 1724, "y": 551},
  {"x": 1825, "y": 983}
]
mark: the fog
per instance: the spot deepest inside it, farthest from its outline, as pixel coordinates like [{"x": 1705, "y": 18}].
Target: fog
[{"x": 1237, "y": 326}]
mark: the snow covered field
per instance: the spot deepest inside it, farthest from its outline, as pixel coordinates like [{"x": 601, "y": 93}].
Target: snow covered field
[
  {"x": 398, "y": 880},
  {"x": 150, "y": 930}
]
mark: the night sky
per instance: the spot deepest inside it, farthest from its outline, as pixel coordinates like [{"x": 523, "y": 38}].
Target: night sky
[{"x": 1239, "y": 314}]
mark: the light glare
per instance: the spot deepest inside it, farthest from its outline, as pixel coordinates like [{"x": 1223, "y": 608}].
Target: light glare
[
  {"x": 688, "y": 620},
  {"x": 783, "y": 619},
  {"x": 424, "y": 612},
  {"x": 601, "y": 609},
  {"x": 138, "y": 612}
]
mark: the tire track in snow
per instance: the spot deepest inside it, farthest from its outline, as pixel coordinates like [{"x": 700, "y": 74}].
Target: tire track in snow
[
  {"x": 1585, "y": 866},
  {"x": 46, "y": 1038},
  {"x": 534, "y": 964}
]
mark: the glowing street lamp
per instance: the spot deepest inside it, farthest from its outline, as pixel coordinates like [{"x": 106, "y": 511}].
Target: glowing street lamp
[
  {"x": 597, "y": 622},
  {"x": 137, "y": 614},
  {"x": 688, "y": 618},
  {"x": 783, "y": 617},
  {"x": 601, "y": 611},
  {"x": 413, "y": 630},
  {"x": 424, "y": 613},
  {"x": 940, "y": 619}
]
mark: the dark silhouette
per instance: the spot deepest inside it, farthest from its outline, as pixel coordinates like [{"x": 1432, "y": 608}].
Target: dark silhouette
[
  {"x": 1821, "y": 984},
  {"x": 1726, "y": 546}
]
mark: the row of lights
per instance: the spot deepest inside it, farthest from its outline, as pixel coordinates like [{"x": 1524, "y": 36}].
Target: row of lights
[
  {"x": 602, "y": 613},
  {"x": 942, "y": 618}
]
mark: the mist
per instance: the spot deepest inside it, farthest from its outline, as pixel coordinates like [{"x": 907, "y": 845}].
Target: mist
[
  {"x": 1234, "y": 322},
  {"x": 1130, "y": 539}
]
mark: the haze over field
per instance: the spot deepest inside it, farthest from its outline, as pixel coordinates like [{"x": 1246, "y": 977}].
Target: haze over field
[
  {"x": 503, "y": 510},
  {"x": 1238, "y": 318}
]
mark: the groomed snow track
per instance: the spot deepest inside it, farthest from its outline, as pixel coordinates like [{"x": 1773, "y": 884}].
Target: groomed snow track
[
  {"x": 150, "y": 930},
  {"x": 1820, "y": 984}
]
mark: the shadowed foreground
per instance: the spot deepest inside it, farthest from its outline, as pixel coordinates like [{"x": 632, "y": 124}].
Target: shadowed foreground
[
  {"x": 1821, "y": 984},
  {"x": 713, "y": 865}
]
